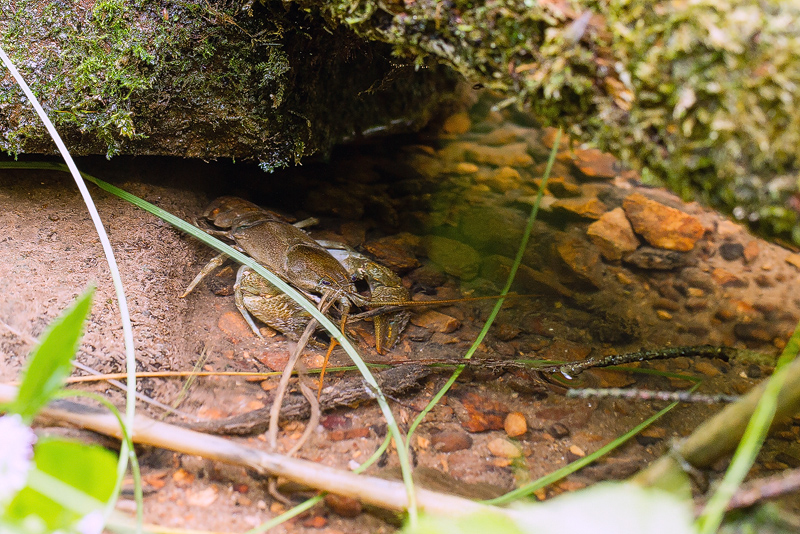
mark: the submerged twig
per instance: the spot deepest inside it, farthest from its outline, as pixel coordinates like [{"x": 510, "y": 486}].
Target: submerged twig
[{"x": 646, "y": 394}]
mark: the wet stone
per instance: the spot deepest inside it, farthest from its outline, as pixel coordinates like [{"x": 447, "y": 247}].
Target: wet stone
[
  {"x": 793, "y": 260},
  {"x": 482, "y": 414},
  {"x": 395, "y": 252},
  {"x": 731, "y": 251},
  {"x": 343, "y": 506},
  {"x": 436, "y": 321},
  {"x": 455, "y": 258},
  {"x": 502, "y": 448},
  {"x": 458, "y": 123},
  {"x": 582, "y": 258},
  {"x": 515, "y": 424},
  {"x": 613, "y": 235},
  {"x": 696, "y": 304},
  {"x": 750, "y": 251},
  {"x": 558, "y": 431},
  {"x": 657, "y": 259},
  {"x": 503, "y": 179},
  {"x": 662, "y": 226},
  {"x": 586, "y": 207},
  {"x": 513, "y": 155},
  {"x": 754, "y": 331},
  {"x": 727, "y": 279},
  {"x": 596, "y": 164}
]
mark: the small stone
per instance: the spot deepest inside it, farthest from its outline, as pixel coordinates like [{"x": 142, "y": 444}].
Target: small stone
[
  {"x": 451, "y": 441},
  {"x": 656, "y": 259},
  {"x": 751, "y": 250},
  {"x": 558, "y": 431},
  {"x": 657, "y": 432},
  {"x": 395, "y": 252},
  {"x": 316, "y": 521},
  {"x": 343, "y": 506},
  {"x": 763, "y": 280},
  {"x": 560, "y": 187},
  {"x": 502, "y": 448},
  {"x": 731, "y": 251},
  {"x": 662, "y": 226},
  {"x": 726, "y": 228},
  {"x": 582, "y": 258},
  {"x": 727, "y": 278},
  {"x": 455, "y": 258},
  {"x": 513, "y": 155},
  {"x": 664, "y": 315},
  {"x": 458, "y": 123},
  {"x": 666, "y": 304},
  {"x": 436, "y": 321},
  {"x": 482, "y": 413},
  {"x": 202, "y": 498},
  {"x": 707, "y": 369},
  {"x": 754, "y": 331},
  {"x": 793, "y": 260},
  {"x": 502, "y": 135},
  {"x": 466, "y": 168},
  {"x": 506, "y": 332},
  {"x": 587, "y": 207},
  {"x": 577, "y": 451},
  {"x": 515, "y": 424},
  {"x": 695, "y": 292},
  {"x": 696, "y": 304},
  {"x": 594, "y": 163},
  {"x": 234, "y": 326},
  {"x": 613, "y": 235},
  {"x": 504, "y": 179}
]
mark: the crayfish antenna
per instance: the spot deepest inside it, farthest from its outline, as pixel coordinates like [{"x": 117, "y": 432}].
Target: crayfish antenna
[{"x": 327, "y": 357}]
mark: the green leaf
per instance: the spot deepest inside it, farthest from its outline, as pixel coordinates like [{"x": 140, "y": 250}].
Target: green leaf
[
  {"x": 88, "y": 468},
  {"x": 49, "y": 364}
]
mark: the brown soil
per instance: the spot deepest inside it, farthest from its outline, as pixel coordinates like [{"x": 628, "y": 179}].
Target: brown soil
[{"x": 719, "y": 294}]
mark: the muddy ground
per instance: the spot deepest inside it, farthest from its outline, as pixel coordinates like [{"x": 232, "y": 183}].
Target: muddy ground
[{"x": 466, "y": 190}]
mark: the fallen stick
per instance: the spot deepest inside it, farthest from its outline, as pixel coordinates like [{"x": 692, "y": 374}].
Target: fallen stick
[{"x": 369, "y": 490}]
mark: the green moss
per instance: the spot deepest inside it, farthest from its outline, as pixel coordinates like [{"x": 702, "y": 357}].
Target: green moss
[{"x": 701, "y": 96}]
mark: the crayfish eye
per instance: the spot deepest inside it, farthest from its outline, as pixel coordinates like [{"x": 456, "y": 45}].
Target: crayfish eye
[{"x": 325, "y": 282}]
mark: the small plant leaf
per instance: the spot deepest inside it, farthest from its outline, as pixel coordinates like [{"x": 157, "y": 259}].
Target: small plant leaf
[
  {"x": 49, "y": 364},
  {"x": 88, "y": 468}
]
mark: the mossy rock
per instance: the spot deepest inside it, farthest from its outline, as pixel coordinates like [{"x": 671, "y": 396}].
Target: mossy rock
[{"x": 268, "y": 82}]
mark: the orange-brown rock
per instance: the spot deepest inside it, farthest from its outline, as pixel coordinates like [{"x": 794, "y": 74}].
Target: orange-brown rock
[
  {"x": 613, "y": 234},
  {"x": 436, "y": 321},
  {"x": 596, "y": 164},
  {"x": 662, "y": 226},
  {"x": 590, "y": 208},
  {"x": 511, "y": 155},
  {"x": 582, "y": 258},
  {"x": 458, "y": 123}
]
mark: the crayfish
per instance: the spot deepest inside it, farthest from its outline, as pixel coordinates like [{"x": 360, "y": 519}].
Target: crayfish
[{"x": 324, "y": 272}]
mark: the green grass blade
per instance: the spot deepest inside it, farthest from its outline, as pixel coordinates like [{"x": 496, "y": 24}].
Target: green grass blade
[
  {"x": 754, "y": 435},
  {"x": 49, "y": 365}
]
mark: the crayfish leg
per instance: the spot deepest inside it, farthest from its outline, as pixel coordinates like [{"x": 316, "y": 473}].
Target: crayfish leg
[{"x": 215, "y": 263}]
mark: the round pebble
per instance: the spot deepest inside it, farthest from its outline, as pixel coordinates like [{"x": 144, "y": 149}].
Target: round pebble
[
  {"x": 515, "y": 424},
  {"x": 502, "y": 448},
  {"x": 451, "y": 441},
  {"x": 731, "y": 251}
]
